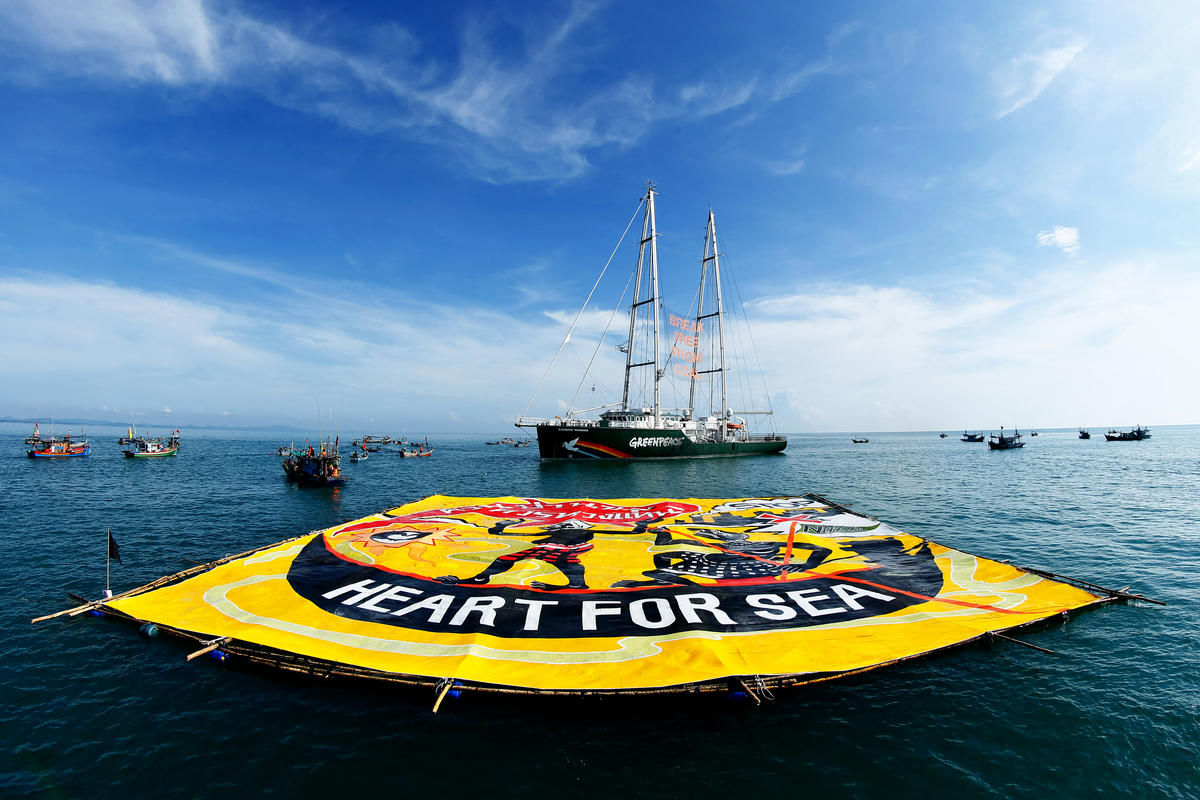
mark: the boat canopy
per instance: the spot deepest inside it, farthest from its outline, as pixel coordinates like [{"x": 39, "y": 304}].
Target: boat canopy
[{"x": 584, "y": 595}]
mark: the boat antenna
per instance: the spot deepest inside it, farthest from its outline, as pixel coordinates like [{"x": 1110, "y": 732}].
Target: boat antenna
[{"x": 579, "y": 314}]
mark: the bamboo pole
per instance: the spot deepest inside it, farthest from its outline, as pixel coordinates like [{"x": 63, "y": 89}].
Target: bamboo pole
[
  {"x": 213, "y": 645},
  {"x": 1027, "y": 644},
  {"x": 442, "y": 696}
]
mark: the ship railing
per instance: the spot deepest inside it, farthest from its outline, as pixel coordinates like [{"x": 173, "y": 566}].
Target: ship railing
[{"x": 533, "y": 422}]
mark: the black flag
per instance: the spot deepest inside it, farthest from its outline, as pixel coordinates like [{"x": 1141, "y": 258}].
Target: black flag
[{"x": 113, "y": 550}]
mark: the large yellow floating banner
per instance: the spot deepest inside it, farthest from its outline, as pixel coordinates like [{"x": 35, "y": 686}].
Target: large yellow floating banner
[{"x": 607, "y": 594}]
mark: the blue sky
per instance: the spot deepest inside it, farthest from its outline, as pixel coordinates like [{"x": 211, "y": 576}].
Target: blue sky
[{"x": 941, "y": 215}]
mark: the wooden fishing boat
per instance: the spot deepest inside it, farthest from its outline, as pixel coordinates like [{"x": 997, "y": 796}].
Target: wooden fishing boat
[
  {"x": 36, "y": 437},
  {"x": 60, "y": 448},
  {"x": 312, "y": 467},
  {"x": 690, "y": 352},
  {"x": 1002, "y": 441},
  {"x": 859, "y": 441},
  {"x": 420, "y": 452},
  {"x": 1083, "y": 434},
  {"x": 972, "y": 437},
  {"x": 153, "y": 448},
  {"x": 1136, "y": 435}
]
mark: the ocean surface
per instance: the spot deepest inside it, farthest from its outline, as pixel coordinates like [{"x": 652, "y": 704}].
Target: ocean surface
[{"x": 90, "y": 709}]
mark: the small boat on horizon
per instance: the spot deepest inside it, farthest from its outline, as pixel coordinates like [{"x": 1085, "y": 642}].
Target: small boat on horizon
[
  {"x": 359, "y": 455},
  {"x": 972, "y": 437},
  {"x": 1001, "y": 441},
  {"x": 859, "y": 441},
  {"x": 1136, "y": 435},
  {"x": 1084, "y": 434},
  {"x": 941, "y": 435}
]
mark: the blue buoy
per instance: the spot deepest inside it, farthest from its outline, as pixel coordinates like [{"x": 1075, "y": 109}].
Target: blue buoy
[
  {"x": 149, "y": 630},
  {"x": 219, "y": 655},
  {"x": 456, "y": 692},
  {"x": 737, "y": 697},
  {"x": 95, "y": 612}
]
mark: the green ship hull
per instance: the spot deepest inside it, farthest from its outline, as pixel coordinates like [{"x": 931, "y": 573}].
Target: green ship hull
[{"x": 561, "y": 441}]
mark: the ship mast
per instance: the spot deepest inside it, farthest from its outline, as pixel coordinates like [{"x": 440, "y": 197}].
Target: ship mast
[
  {"x": 650, "y": 261},
  {"x": 710, "y": 254}
]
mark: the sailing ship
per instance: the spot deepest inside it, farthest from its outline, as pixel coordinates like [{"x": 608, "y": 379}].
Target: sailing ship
[
  {"x": 312, "y": 467},
  {"x": 1001, "y": 441},
  {"x": 144, "y": 447},
  {"x": 59, "y": 448},
  {"x": 643, "y": 428}
]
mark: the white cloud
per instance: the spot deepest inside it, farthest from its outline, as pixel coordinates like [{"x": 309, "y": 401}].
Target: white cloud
[
  {"x": 1067, "y": 239},
  {"x": 1037, "y": 350},
  {"x": 501, "y": 105},
  {"x": 165, "y": 409},
  {"x": 1028, "y": 75}
]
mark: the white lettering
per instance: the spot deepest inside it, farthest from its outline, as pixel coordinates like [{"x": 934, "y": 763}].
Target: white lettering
[
  {"x": 438, "y": 605},
  {"x": 533, "y": 614},
  {"x": 689, "y": 604},
  {"x": 360, "y": 591},
  {"x": 663, "y": 610},
  {"x": 806, "y": 603},
  {"x": 850, "y": 595},
  {"x": 771, "y": 606},
  {"x": 655, "y": 441},
  {"x": 394, "y": 593},
  {"x": 592, "y": 609},
  {"x": 485, "y": 607}
]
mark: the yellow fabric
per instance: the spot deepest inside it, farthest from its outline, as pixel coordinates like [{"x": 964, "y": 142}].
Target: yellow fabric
[{"x": 719, "y": 571}]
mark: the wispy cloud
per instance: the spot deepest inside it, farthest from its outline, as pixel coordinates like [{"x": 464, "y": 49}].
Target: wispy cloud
[
  {"x": 509, "y": 113},
  {"x": 1025, "y": 77},
  {"x": 788, "y": 166},
  {"x": 1066, "y": 239}
]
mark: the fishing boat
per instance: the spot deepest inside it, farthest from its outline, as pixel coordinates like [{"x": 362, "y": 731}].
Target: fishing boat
[
  {"x": 972, "y": 437},
  {"x": 1002, "y": 441},
  {"x": 1084, "y": 434},
  {"x": 153, "y": 448},
  {"x": 641, "y": 425},
  {"x": 130, "y": 436},
  {"x": 859, "y": 441},
  {"x": 418, "y": 453},
  {"x": 60, "y": 448},
  {"x": 36, "y": 437},
  {"x": 941, "y": 436},
  {"x": 1136, "y": 435},
  {"x": 312, "y": 467},
  {"x": 359, "y": 455},
  {"x": 1034, "y": 433}
]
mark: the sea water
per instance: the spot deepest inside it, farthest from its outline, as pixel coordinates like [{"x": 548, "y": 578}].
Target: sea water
[{"x": 91, "y": 709}]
